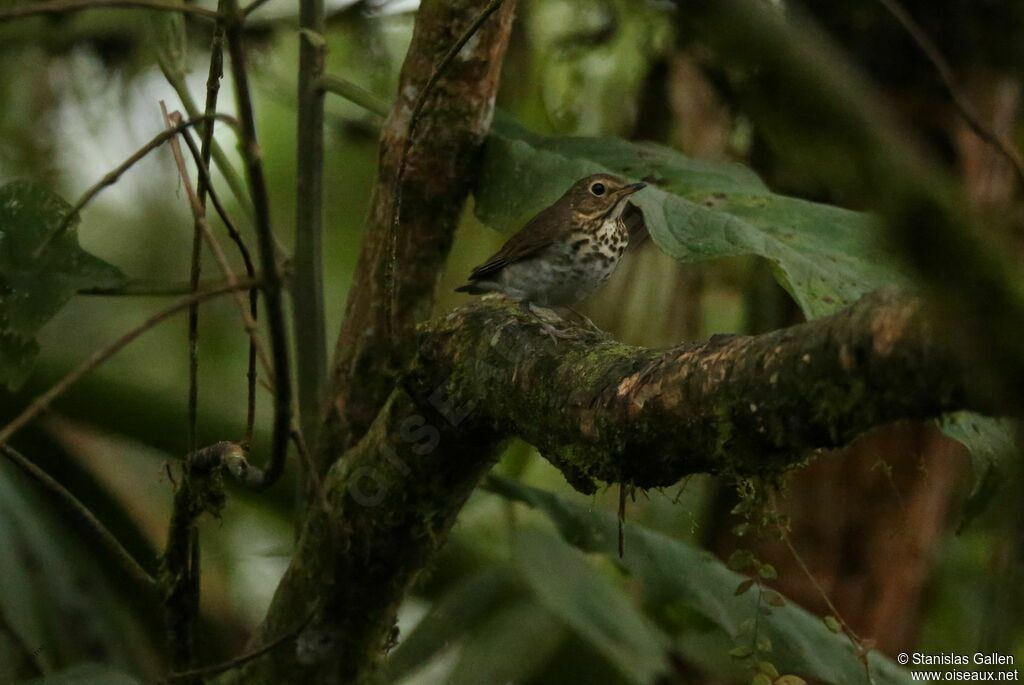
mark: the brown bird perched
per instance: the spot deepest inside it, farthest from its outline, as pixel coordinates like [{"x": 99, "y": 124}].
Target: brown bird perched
[{"x": 567, "y": 250}]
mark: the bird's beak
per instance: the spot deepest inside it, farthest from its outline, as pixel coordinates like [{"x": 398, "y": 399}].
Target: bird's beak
[{"x": 633, "y": 187}]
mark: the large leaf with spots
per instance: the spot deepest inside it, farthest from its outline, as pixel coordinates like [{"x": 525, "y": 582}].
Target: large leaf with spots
[
  {"x": 35, "y": 287},
  {"x": 824, "y": 256}
]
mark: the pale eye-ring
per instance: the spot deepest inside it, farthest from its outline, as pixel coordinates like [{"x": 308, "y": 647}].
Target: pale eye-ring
[{"x": 597, "y": 189}]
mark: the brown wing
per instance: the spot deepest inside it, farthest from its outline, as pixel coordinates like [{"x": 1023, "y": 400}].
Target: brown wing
[{"x": 538, "y": 234}]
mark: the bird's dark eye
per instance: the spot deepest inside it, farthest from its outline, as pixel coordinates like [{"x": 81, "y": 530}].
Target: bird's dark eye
[{"x": 597, "y": 189}]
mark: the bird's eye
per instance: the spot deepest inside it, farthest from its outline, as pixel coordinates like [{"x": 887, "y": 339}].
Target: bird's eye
[{"x": 597, "y": 189}]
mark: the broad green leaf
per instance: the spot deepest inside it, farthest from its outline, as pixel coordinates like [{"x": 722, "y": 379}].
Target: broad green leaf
[
  {"x": 673, "y": 574},
  {"x": 88, "y": 674},
  {"x": 593, "y": 606},
  {"x": 33, "y": 290},
  {"x": 826, "y": 257},
  {"x": 991, "y": 444}
]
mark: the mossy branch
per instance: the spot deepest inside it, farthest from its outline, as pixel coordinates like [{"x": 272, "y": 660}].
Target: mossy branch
[
  {"x": 599, "y": 411},
  {"x": 603, "y": 411}
]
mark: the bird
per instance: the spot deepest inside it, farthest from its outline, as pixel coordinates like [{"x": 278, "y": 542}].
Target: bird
[{"x": 567, "y": 250}]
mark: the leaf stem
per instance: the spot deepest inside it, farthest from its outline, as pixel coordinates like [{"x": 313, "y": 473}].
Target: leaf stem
[
  {"x": 308, "y": 286},
  {"x": 354, "y": 93}
]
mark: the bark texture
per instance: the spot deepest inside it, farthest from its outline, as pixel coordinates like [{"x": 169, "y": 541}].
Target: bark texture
[
  {"x": 438, "y": 175},
  {"x": 598, "y": 410},
  {"x": 603, "y": 411},
  {"x": 390, "y": 503}
]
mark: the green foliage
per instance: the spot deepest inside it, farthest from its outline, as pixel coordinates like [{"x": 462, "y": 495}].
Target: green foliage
[
  {"x": 991, "y": 443},
  {"x": 593, "y": 59},
  {"x": 825, "y": 257},
  {"x": 593, "y": 605},
  {"x": 59, "y": 602},
  {"x": 33, "y": 290},
  {"x": 693, "y": 594},
  {"x": 86, "y": 675}
]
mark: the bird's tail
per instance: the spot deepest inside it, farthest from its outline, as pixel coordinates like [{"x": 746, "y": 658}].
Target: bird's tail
[{"x": 471, "y": 288}]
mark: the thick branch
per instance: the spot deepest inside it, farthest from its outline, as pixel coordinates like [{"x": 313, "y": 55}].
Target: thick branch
[
  {"x": 600, "y": 410},
  {"x": 438, "y": 174},
  {"x": 391, "y": 502}
]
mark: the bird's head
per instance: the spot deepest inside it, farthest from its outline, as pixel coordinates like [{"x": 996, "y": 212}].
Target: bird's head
[{"x": 599, "y": 195}]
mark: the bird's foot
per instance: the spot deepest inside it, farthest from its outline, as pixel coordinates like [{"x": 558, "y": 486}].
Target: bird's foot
[
  {"x": 544, "y": 317},
  {"x": 585, "y": 320}
]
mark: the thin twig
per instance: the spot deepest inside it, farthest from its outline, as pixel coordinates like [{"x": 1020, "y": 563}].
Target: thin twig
[
  {"x": 103, "y": 354},
  {"x": 179, "y": 573},
  {"x": 199, "y": 214},
  {"x": 353, "y": 93},
  {"x": 250, "y": 270},
  {"x": 220, "y": 158},
  {"x": 154, "y": 288},
  {"x": 268, "y": 257},
  {"x": 195, "y": 272},
  {"x": 244, "y": 658},
  {"x": 62, "y": 6},
  {"x": 308, "y": 284},
  {"x": 102, "y": 534},
  {"x": 963, "y": 104},
  {"x": 858, "y": 644},
  {"x": 112, "y": 177},
  {"x": 396, "y": 186}
]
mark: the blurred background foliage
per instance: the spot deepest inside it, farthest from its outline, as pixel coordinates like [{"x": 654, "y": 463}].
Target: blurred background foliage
[{"x": 877, "y": 523}]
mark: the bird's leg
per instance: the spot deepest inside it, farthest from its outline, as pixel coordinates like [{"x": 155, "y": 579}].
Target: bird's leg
[{"x": 541, "y": 314}]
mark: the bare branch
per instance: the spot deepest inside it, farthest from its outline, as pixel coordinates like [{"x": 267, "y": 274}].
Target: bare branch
[
  {"x": 410, "y": 138},
  {"x": 243, "y": 659},
  {"x": 273, "y": 285},
  {"x": 256, "y": 350},
  {"x": 40, "y": 404},
  {"x": 142, "y": 288}
]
